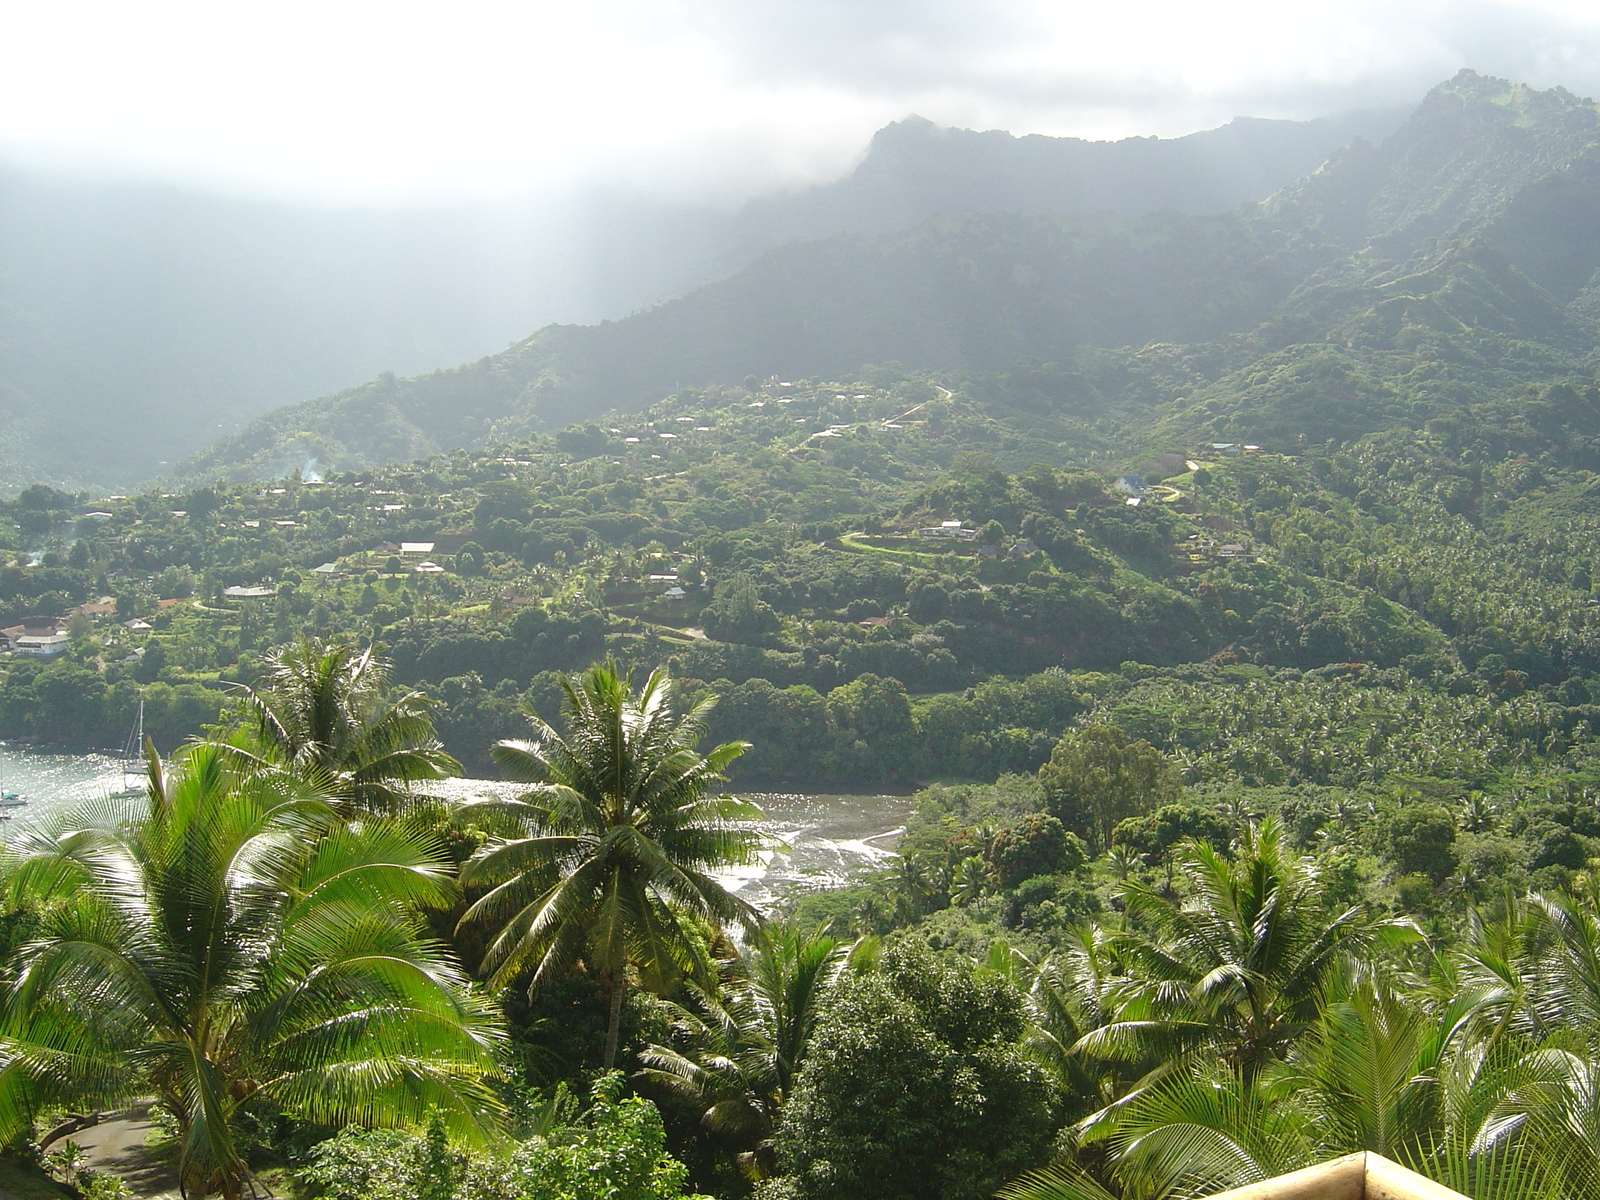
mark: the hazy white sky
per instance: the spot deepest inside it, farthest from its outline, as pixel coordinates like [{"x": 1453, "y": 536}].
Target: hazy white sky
[{"x": 361, "y": 101}]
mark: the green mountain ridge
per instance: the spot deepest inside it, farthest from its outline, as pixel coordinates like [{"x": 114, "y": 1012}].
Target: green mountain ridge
[
  {"x": 1450, "y": 260},
  {"x": 140, "y": 321}
]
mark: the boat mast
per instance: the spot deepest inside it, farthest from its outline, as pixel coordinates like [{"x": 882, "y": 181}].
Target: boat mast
[{"x": 133, "y": 750}]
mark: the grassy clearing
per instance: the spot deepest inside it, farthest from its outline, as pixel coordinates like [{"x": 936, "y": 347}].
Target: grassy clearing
[
  {"x": 29, "y": 1183},
  {"x": 915, "y": 557}
]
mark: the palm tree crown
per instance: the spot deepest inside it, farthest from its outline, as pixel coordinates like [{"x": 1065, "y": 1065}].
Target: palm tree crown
[
  {"x": 621, "y": 838},
  {"x": 324, "y": 716},
  {"x": 238, "y": 941},
  {"x": 736, "y": 1050},
  {"x": 1236, "y": 970}
]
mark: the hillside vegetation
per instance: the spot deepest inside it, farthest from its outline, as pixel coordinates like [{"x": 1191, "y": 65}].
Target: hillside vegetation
[
  {"x": 1398, "y": 281},
  {"x": 1245, "y": 682},
  {"x": 140, "y": 322}
]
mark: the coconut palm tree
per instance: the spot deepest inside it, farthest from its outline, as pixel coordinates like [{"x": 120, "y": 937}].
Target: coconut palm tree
[
  {"x": 1070, "y": 992},
  {"x": 324, "y": 716},
  {"x": 1533, "y": 980},
  {"x": 237, "y": 940},
  {"x": 1394, "y": 1071},
  {"x": 969, "y": 881},
  {"x": 1237, "y": 969},
  {"x": 736, "y": 1052},
  {"x": 621, "y": 835}
]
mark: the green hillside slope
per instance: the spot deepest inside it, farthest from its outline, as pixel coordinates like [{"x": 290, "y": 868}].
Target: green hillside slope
[
  {"x": 1452, "y": 260},
  {"x": 139, "y": 322}
]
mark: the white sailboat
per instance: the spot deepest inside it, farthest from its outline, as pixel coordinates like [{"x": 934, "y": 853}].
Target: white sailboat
[{"x": 133, "y": 764}]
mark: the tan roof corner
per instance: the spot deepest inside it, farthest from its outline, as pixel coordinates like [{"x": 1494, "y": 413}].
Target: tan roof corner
[{"x": 1360, "y": 1176}]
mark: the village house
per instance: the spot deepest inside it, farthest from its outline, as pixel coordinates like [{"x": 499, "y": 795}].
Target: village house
[
  {"x": 43, "y": 637},
  {"x": 948, "y": 529},
  {"x": 97, "y": 610},
  {"x": 43, "y": 645}
]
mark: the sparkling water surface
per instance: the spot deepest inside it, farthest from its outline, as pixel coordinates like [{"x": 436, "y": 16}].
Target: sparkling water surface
[
  {"x": 810, "y": 841},
  {"x": 54, "y": 783}
]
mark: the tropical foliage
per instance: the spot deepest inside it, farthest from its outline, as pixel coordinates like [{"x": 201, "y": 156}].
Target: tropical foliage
[
  {"x": 613, "y": 1151},
  {"x": 736, "y": 1050},
  {"x": 325, "y": 717},
  {"x": 236, "y": 945},
  {"x": 620, "y": 834},
  {"x": 1259, "y": 802}
]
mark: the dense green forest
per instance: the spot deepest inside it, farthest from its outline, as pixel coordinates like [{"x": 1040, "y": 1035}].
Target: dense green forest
[
  {"x": 1245, "y": 690},
  {"x": 1265, "y": 805}
]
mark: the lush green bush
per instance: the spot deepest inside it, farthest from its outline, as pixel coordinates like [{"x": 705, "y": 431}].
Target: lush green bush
[
  {"x": 616, "y": 1151},
  {"x": 916, "y": 1086}
]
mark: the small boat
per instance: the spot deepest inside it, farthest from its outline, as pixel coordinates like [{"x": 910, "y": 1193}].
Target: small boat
[
  {"x": 12, "y": 800},
  {"x": 134, "y": 768}
]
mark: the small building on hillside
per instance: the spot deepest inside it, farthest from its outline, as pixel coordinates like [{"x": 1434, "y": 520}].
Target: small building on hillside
[
  {"x": 1020, "y": 549},
  {"x": 247, "y": 593},
  {"x": 41, "y": 645},
  {"x": 1132, "y": 485},
  {"x": 44, "y": 636},
  {"x": 416, "y": 549},
  {"x": 948, "y": 529}
]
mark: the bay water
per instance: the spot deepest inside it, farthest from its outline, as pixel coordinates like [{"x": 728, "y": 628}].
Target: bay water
[{"x": 810, "y": 840}]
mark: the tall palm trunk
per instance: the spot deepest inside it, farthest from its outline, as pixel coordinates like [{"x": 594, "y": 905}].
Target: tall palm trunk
[{"x": 619, "y": 987}]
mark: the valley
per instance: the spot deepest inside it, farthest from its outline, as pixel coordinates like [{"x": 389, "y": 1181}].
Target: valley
[{"x": 1092, "y": 701}]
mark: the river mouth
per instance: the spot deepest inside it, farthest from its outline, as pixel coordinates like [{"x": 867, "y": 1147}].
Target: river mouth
[
  {"x": 817, "y": 841},
  {"x": 811, "y": 841}
]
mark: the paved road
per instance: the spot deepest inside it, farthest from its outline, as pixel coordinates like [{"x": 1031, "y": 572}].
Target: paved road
[{"x": 117, "y": 1145}]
